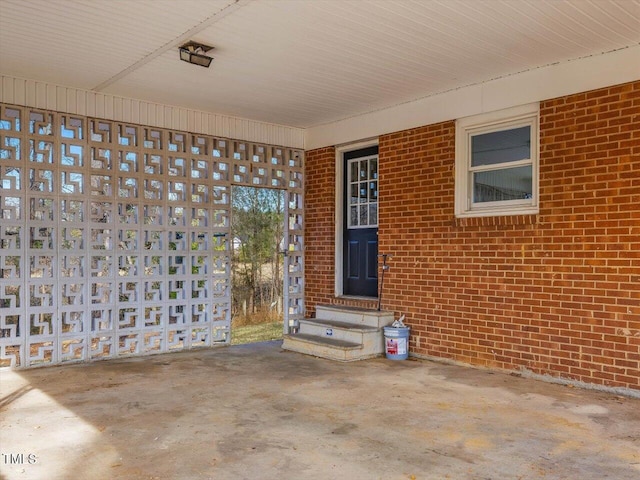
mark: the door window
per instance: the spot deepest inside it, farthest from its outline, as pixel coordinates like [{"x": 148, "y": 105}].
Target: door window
[{"x": 362, "y": 188}]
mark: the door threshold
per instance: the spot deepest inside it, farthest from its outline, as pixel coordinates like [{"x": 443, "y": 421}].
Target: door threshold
[{"x": 357, "y": 297}]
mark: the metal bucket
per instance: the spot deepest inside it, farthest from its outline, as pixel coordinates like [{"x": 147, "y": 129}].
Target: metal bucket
[{"x": 396, "y": 342}]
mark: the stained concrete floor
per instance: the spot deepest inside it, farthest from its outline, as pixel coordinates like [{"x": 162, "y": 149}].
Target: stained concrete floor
[{"x": 256, "y": 412}]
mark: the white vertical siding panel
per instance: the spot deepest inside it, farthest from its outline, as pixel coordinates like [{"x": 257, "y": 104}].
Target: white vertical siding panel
[
  {"x": 184, "y": 119},
  {"x": 7, "y": 90},
  {"x": 217, "y": 128},
  {"x": 39, "y": 95},
  {"x": 99, "y": 107},
  {"x": 236, "y": 132},
  {"x": 20, "y": 92},
  {"x": 177, "y": 115},
  {"x": 124, "y": 104},
  {"x": 143, "y": 108},
  {"x": 160, "y": 116},
  {"x": 236, "y": 125},
  {"x": 71, "y": 100},
  {"x": 30, "y": 93},
  {"x": 109, "y": 106},
  {"x": 229, "y": 125},
  {"x": 191, "y": 121},
  {"x": 51, "y": 96},
  {"x": 60, "y": 99},
  {"x": 175, "y": 118},
  {"x": 220, "y": 127},
  {"x": 134, "y": 109},
  {"x": 203, "y": 122},
  {"x": 208, "y": 123},
  {"x": 167, "y": 114},
  {"x": 157, "y": 115},
  {"x": 92, "y": 104},
  {"x": 198, "y": 122},
  {"x": 172, "y": 117},
  {"x": 256, "y": 131},
  {"x": 118, "y": 108},
  {"x": 81, "y": 102},
  {"x": 168, "y": 118},
  {"x": 245, "y": 129},
  {"x": 267, "y": 132}
]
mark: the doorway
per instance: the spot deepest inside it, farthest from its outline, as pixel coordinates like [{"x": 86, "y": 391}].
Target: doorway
[
  {"x": 360, "y": 222},
  {"x": 257, "y": 264}
]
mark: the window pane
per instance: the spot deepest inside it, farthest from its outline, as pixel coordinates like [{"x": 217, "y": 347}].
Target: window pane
[
  {"x": 353, "y": 217},
  {"x": 499, "y": 147},
  {"x": 363, "y": 192},
  {"x": 363, "y": 169},
  {"x": 363, "y": 215},
  {"x": 354, "y": 193},
  {"x": 506, "y": 184},
  {"x": 373, "y": 169},
  {"x": 373, "y": 191},
  {"x": 353, "y": 172},
  {"x": 373, "y": 214}
]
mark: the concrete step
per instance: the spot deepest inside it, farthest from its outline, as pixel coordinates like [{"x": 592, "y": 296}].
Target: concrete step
[
  {"x": 324, "y": 347},
  {"x": 340, "y": 333},
  {"x": 354, "y": 315},
  {"x": 369, "y": 337}
]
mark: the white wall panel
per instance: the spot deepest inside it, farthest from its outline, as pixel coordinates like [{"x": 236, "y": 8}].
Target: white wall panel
[{"x": 30, "y": 93}]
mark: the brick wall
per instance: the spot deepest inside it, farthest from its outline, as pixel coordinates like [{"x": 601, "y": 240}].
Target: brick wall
[
  {"x": 555, "y": 293},
  {"x": 320, "y": 198}
]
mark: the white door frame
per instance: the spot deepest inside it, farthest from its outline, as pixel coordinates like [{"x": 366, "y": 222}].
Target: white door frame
[{"x": 339, "y": 208}]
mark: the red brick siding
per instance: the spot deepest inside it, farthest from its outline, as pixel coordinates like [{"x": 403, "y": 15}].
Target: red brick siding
[
  {"x": 555, "y": 293},
  {"x": 320, "y": 198},
  {"x": 320, "y": 194}
]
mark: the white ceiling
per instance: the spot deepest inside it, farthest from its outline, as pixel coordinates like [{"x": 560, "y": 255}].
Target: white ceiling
[{"x": 301, "y": 63}]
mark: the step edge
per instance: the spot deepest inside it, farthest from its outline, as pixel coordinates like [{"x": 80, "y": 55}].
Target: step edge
[
  {"x": 323, "y": 341},
  {"x": 340, "y": 325}
]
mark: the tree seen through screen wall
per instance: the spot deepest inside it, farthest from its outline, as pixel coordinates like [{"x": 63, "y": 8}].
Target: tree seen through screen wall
[{"x": 257, "y": 230}]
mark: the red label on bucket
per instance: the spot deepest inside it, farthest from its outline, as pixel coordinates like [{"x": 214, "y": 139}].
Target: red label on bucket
[{"x": 396, "y": 346}]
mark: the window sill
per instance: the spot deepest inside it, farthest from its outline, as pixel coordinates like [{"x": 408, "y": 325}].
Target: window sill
[{"x": 502, "y": 220}]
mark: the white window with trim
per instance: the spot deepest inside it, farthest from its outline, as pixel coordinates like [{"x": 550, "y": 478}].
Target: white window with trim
[{"x": 497, "y": 163}]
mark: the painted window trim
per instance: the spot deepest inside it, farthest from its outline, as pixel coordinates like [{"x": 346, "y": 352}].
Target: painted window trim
[{"x": 524, "y": 115}]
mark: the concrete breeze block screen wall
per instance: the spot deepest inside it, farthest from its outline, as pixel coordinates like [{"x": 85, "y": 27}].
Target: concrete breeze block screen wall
[{"x": 554, "y": 293}]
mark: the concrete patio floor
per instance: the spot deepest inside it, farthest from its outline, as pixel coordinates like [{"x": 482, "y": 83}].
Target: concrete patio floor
[{"x": 257, "y": 412}]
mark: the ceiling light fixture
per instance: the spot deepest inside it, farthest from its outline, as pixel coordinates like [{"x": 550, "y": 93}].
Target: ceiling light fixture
[{"x": 194, "y": 52}]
